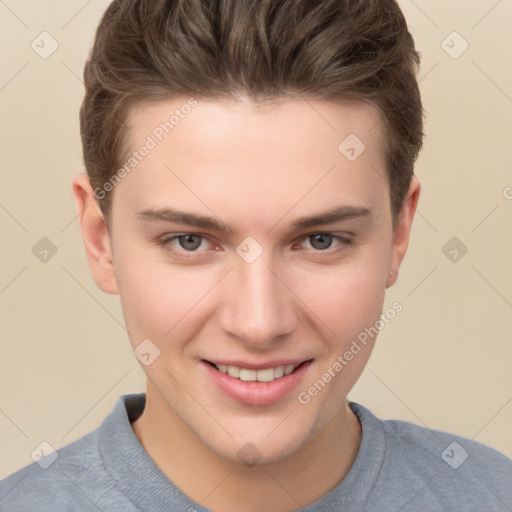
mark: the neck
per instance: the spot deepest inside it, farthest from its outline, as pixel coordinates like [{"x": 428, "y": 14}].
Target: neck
[{"x": 221, "y": 484}]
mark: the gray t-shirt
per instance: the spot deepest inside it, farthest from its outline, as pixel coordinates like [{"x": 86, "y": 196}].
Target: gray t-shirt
[{"x": 400, "y": 467}]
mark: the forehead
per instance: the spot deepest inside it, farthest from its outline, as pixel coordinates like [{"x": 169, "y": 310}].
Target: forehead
[
  {"x": 216, "y": 122},
  {"x": 239, "y": 156}
]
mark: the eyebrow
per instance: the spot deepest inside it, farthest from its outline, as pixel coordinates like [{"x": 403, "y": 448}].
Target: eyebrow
[{"x": 331, "y": 216}]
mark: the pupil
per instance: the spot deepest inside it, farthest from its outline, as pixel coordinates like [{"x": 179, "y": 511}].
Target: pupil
[
  {"x": 325, "y": 241},
  {"x": 187, "y": 240}
]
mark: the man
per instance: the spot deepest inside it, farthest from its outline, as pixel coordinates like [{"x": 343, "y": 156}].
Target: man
[{"x": 250, "y": 195}]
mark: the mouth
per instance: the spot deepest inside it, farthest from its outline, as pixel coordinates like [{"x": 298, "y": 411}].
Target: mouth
[
  {"x": 268, "y": 374},
  {"x": 264, "y": 385}
]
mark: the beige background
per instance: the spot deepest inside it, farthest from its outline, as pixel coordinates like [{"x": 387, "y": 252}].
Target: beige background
[{"x": 444, "y": 362}]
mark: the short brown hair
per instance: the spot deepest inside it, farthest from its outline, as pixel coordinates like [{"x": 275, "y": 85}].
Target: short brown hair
[{"x": 150, "y": 50}]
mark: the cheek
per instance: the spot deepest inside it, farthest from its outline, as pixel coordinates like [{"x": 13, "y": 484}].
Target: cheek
[
  {"x": 349, "y": 301},
  {"x": 347, "y": 297},
  {"x": 161, "y": 301}
]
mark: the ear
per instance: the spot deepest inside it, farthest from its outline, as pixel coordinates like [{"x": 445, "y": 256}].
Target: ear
[
  {"x": 402, "y": 231},
  {"x": 95, "y": 235}
]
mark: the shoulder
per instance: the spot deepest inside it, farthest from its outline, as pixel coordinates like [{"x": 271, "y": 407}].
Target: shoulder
[
  {"x": 51, "y": 479},
  {"x": 444, "y": 448},
  {"x": 428, "y": 466},
  {"x": 69, "y": 479},
  {"x": 79, "y": 476}
]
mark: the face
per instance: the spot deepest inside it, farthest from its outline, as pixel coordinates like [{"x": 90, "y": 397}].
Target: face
[{"x": 221, "y": 260}]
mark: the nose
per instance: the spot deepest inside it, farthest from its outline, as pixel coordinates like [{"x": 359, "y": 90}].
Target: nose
[{"x": 259, "y": 308}]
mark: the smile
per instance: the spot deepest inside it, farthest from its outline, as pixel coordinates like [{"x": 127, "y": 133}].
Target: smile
[
  {"x": 264, "y": 385},
  {"x": 264, "y": 375}
]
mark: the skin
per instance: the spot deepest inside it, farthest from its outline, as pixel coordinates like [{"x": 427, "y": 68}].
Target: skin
[{"x": 255, "y": 168}]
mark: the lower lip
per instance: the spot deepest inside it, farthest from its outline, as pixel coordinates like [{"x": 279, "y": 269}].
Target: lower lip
[{"x": 256, "y": 393}]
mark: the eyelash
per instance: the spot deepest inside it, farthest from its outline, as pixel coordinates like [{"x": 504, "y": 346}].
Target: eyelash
[{"x": 166, "y": 240}]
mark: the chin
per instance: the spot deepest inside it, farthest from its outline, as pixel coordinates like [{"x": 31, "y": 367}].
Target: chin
[{"x": 262, "y": 449}]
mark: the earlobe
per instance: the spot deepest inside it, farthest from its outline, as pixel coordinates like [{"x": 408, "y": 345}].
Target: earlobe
[
  {"x": 402, "y": 231},
  {"x": 95, "y": 235}
]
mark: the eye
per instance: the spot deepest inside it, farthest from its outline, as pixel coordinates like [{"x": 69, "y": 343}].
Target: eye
[
  {"x": 322, "y": 241},
  {"x": 187, "y": 242},
  {"x": 193, "y": 244}
]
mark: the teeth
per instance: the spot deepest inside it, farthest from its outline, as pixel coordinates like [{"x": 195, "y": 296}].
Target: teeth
[
  {"x": 248, "y": 375},
  {"x": 234, "y": 371},
  {"x": 265, "y": 375},
  {"x": 289, "y": 369}
]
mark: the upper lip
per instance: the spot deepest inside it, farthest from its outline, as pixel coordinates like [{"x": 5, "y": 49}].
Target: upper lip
[{"x": 257, "y": 366}]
